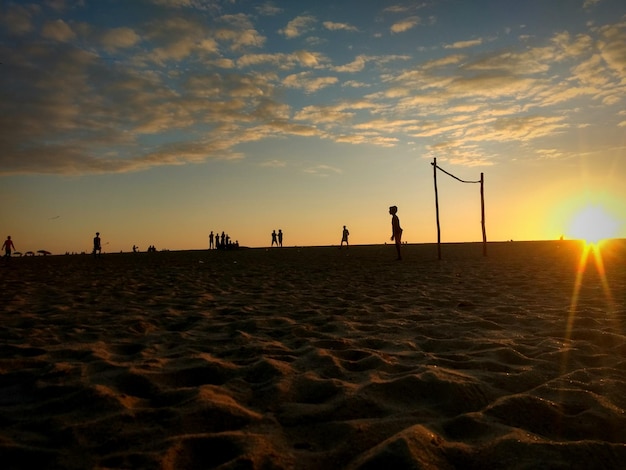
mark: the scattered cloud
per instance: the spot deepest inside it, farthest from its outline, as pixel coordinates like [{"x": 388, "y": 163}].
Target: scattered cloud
[
  {"x": 298, "y": 26},
  {"x": 274, "y": 164},
  {"x": 323, "y": 170},
  {"x": 269, "y": 9},
  {"x": 356, "y": 65},
  {"x": 119, "y": 38},
  {"x": 464, "y": 44},
  {"x": 69, "y": 107},
  {"x": 17, "y": 20},
  {"x": 590, "y": 3},
  {"x": 307, "y": 82},
  {"x": 405, "y": 25},
  {"x": 57, "y": 30},
  {"x": 332, "y": 26}
]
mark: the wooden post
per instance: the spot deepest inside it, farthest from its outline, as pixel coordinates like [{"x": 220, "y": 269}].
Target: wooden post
[
  {"x": 482, "y": 213},
  {"x": 434, "y": 164}
]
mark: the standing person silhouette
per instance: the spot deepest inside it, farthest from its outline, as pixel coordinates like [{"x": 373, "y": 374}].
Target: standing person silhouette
[
  {"x": 396, "y": 231},
  {"x": 97, "y": 246},
  {"x": 274, "y": 238},
  {"x": 7, "y": 246},
  {"x": 280, "y": 238},
  {"x": 211, "y": 236},
  {"x": 344, "y": 237}
]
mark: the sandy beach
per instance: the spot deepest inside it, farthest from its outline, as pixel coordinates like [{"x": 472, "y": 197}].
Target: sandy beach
[{"x": 316, "y": 358}]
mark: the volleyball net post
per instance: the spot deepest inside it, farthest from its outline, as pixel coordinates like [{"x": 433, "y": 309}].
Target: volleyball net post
[{"x": 482, "y": 205}]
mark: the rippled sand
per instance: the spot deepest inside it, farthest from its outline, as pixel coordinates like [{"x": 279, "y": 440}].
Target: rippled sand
[{"x": 316, "y": 358}]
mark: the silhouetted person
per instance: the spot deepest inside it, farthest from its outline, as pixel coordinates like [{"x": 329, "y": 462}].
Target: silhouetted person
[
  {"x": 274, "y": 240},
  {"x": 280, "y": 237},
  {"x": 7, "y": 246},
  {"x": 211, "y": 245},
  {"x": 223, "y": 241},
  {"x": 396, "y": 231},
  {"x": 344, "y": 237},
  {"x": 97, "y": 246}
]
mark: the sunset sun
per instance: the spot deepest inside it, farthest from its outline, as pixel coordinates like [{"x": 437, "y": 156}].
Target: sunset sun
[{"x": 593, "y": 224}]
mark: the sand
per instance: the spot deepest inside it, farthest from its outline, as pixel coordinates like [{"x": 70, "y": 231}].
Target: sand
[{"x": 316, "y": 358}]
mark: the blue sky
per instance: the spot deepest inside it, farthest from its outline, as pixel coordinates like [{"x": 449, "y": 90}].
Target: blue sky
[{"x": 158, "y": 121}]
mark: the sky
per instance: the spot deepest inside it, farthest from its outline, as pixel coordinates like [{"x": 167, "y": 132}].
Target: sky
[{"x": 155, "y": 122}]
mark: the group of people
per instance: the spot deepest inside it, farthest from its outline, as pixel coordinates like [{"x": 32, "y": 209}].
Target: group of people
[
  {"x": 222, "y": 242},
  {"x": 277, "y": 238}
]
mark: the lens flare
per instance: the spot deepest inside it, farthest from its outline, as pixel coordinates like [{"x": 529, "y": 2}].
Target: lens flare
[
  {"x": 590, "y": 251},
  {"x": 593, "y": 224}
]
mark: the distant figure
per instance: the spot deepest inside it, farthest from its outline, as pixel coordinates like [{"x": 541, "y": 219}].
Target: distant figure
[
  {"x": 134, "y": 249},
  {"x": 7, "y": 246},
  {"x": 211, "y": 237},
  {"x": 280, "y": 237},
  {"x": 97, "y": 247},
  {"x": 344, "y": 237},
  {"x": 274, "y": 240},
  {"x": 396, "y": 231}
]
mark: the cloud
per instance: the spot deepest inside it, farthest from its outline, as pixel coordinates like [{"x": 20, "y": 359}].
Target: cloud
[
  {"x": 323, "y": 114},
  {"x": 613, "y": 47},
  {"x": 308, "y": 82},
  {"x": 404, "y": 8},
  {"x": 459, "y": 153},
  {"x": 57, "y": 30},
  {"x": 532, "y": 61},
  {"x": 188, "y": 4},
  {"x": 283, "y": 61},
  {"x": 308, "y": 59},
  {"x": 443, "y": 62},
  {"x": 590, "y": 3},
  {"x": 518, "y": 128},
  {"x": 366, "y": 139},
  {"x": 464, "y": 44},
  {"x": 323, "y": 170},
  {"x": 298, "y": 26},
  {"x": 356, "y": 65},
  {"x": 405, "y": 25},
  {"x": 355, "y": 84},
  {"x": 17, "y": 20},
  {"x": 119, "y": 38},
  {"x": 274, "y": 164},
  {"x": 239, "y": 31},
  {"x": 332, "y": 26},
  {"x": 268, "y": 9},
  {"x": 188, "y": 86}
]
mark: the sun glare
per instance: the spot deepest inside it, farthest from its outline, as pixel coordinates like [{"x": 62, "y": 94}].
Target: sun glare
[{"x": 593, "y": 224}]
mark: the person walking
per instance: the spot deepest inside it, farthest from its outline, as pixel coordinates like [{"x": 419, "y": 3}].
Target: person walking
[
  {"x": 344, "y": 237},
  {"x": 7, "y": 246}
]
